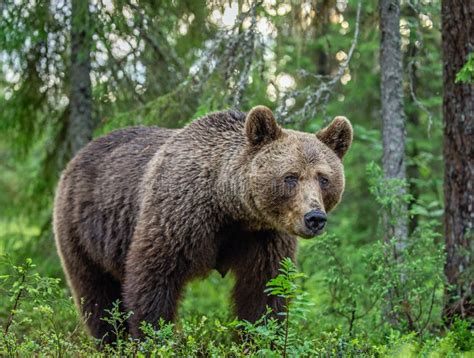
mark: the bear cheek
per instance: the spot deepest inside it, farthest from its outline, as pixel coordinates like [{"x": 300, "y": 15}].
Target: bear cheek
[
  {"x": 265, "y": 196},
  {"x": 292, "y": 210},
  {"x": 331, "y": 199},
  {"x": 333, "y": 195},
  {"x": 283, "y": 205}
]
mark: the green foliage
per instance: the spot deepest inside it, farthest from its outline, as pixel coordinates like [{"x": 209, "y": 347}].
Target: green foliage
[
  {"x": 417, "y": 279},
  {"x": 44, "y": 322},
  {"x": 386, "y": 191},
  {"x": 336, "y": 308},
  {"x": 35, "y": 307},
  {"x": 466, "y": 75}
]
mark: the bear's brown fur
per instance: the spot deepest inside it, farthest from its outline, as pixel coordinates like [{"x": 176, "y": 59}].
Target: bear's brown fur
[{"x": 142, "y": 211}]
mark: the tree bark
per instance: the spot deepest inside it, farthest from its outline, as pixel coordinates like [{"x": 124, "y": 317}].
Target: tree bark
[
  {"x": 393, "y": 115},
  {"x": 458, "y": 112},
  {"x": 393, "y": 132},
  {"x": 321, "y": 28},
  {"x": 80, "y": 124},
  {"x": 413, "y": 172}
]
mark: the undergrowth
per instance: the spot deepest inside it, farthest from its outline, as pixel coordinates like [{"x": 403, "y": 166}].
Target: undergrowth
[{"x": 40, "y": 319}]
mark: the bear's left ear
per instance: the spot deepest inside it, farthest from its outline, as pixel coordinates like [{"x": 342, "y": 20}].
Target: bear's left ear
[
  {"x": 261, "y": 126},
  {"x": 337, "y": 135}
]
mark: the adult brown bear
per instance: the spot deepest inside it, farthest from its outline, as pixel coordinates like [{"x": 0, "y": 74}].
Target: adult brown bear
[{"x": 141, "y": 211}]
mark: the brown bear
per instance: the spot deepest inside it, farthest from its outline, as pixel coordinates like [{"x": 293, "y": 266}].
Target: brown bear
[{"x": 142, "y": 211}]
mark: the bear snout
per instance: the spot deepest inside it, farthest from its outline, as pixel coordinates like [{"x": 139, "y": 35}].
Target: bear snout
[{"x": 315, "y": 221}]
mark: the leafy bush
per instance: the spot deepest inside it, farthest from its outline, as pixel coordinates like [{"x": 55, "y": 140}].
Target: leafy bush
[{"x": 40, "y": 319}]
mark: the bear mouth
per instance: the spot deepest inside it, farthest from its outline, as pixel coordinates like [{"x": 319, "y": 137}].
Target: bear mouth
[{"x": 307, "y": 233}]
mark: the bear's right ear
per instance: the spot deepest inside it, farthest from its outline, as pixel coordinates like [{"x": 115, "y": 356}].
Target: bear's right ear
[{"x": 261, "y": 126}]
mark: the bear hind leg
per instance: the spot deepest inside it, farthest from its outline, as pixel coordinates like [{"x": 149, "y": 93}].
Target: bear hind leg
[{"x": 95, "y": 292}]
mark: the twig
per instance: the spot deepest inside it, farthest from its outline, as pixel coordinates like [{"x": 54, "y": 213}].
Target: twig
[
  {"x": 352, "y": 319},
  {"x": 412, "y": 68},
  {"x": 430, "y": 311},
  {"x": 168, "y": 53},
  {"x": 287, "y": 324},
  {"x": 320, "y": 94},
  {"x": 15, "y": 305},
  {"x": 416, "y": 101}
]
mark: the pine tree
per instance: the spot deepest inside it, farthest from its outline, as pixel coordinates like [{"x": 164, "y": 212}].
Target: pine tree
[{"x": 458, "y": 112}]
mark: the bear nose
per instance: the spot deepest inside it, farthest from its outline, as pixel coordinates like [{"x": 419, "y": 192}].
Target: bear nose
[{"x": 315, "y": 220}]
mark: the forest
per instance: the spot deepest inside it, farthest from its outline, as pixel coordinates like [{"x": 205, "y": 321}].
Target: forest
[{"x": 393, "y": 274}]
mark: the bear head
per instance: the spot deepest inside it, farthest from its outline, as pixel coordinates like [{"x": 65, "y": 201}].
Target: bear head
[{"x": 295, "y": 178}]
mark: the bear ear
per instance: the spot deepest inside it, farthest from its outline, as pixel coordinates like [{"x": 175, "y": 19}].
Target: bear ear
[
  {"x": 337, "y": 135},
  {"x": 261, "y": 126}
]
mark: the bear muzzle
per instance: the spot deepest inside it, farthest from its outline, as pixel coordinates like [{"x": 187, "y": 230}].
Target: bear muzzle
[{"x": 314, "y": 223}]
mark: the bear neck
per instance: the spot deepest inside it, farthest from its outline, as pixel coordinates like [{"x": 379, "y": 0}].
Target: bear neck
[
  {"x": 223, "y": 139},
  {"x": 235, "y": 192}
]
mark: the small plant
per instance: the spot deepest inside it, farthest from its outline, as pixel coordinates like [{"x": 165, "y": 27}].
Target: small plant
[
  {"x": 269, "y": 335},
  {"x": 18, "y": 288},
  {"x": 36, "y": 308},
  {"x": 351, "y": 296},
  {"x": 285, "y": 286},
  {"x": 390, "y": 194},
  {"x": 118, "y": 320},
  {"x": 466, "y": 74}
]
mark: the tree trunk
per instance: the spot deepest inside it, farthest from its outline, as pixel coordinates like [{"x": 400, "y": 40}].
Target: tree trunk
[
  {"x": 80, "y": 124},
  {"x": 413, "y": 172},
  {"x": 321, "y": 28},
  {"x": 393, "y": 117},
  {"x": 458, "y": 112}
]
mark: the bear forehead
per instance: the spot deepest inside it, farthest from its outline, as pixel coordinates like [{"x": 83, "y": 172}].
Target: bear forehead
[
  {"x": 301, "y": 153},
  {"x": 307, "y": 148}
]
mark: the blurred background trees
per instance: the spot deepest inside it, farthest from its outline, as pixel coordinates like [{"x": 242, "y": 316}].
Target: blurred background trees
[{"x": 72, "y": 70}]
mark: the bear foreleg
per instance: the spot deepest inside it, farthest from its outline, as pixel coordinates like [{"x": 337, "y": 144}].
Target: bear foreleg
[{"x": 258, "y": 263}]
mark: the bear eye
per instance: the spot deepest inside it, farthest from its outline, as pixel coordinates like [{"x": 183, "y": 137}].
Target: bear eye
[
  {"x": 323, "y": 182},
  {"x": 291, "y": 180}
]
